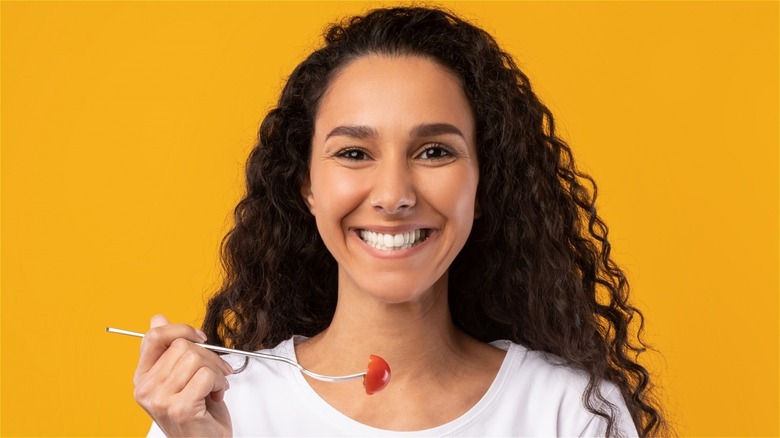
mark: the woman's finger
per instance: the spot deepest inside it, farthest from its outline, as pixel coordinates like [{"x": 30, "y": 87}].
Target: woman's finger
[
  {"x": 189, "y": 359},
  {"x": 159, "y": 320},
  {"x": 205, "y": 383},
  {"x": 157, "y": 340},
  {"x": 190, "y": 414}
]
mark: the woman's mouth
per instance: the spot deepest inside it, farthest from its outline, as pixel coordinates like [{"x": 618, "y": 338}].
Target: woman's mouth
[{"x": 394, "y": 242}]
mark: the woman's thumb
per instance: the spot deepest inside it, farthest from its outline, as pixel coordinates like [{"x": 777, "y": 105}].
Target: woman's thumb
[{"x": 159, "y": 320}]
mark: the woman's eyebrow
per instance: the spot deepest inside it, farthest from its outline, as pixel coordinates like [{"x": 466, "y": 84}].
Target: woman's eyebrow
[
  {"x": 354, "y": 131},
  {"x": 433, "y": 129},
  {"x": 422, "y": 130}
]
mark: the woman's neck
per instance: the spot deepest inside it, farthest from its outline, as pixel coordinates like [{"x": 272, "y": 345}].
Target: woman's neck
[
  {"x": 425, "y": 351},
  {"x": 407, "y": 335}
]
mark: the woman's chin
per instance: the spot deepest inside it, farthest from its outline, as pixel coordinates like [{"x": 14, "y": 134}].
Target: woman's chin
[{"x": 395, "y": 292}]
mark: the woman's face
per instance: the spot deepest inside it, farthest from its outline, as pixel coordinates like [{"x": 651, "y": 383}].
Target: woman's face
[{"x": 393, "y": 175}]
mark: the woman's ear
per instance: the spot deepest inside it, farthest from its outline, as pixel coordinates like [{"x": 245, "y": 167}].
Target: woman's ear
[{"x": 308, "y": 196}]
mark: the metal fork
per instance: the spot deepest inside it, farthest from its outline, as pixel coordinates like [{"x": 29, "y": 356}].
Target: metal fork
[{"x": 311, "y": 374}]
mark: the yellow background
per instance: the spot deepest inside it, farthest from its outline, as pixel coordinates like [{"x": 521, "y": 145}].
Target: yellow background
[{"x": 125, "y": 127}]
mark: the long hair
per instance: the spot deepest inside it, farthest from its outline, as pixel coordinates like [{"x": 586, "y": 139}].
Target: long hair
[{"x": 536, "y": 268}]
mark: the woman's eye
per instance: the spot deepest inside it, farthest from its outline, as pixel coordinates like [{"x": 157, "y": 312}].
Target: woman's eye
[
  {"x": 352, "y": 154},
  {"x": 435, "y": 152}
]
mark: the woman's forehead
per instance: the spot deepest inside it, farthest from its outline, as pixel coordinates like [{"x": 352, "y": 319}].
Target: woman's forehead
[{"x": 393, "y": 91}]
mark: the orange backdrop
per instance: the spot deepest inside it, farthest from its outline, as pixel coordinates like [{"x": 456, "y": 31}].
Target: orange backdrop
[{"x": 125, "y": 127}]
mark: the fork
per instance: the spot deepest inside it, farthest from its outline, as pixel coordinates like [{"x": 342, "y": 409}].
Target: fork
[{"x": 215, "y": 348}]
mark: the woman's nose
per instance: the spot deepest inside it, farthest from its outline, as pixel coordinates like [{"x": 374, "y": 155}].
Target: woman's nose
[{"x": 393, "y": 192}]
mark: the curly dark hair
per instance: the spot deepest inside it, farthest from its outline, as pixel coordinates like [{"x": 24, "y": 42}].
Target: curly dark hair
[{"x": 536, "y": 268}]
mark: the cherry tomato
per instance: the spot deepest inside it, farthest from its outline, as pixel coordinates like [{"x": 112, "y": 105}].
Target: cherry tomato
[{"x": 377, "y": 375}]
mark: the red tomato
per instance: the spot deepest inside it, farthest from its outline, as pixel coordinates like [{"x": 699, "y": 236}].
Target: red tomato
[{"x": 377, "y": 375}]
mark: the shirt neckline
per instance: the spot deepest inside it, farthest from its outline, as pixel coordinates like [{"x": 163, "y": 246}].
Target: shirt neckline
[{"x": 338, "y": 418}]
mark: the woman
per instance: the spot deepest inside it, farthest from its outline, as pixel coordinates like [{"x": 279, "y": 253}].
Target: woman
[{"x": 408, "y": 197}]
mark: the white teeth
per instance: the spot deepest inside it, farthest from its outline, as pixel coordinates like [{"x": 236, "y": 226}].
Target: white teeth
[{"x": 390, "y": 242}]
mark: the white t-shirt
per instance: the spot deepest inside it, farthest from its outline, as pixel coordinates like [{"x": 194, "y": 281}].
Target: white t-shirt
[{"x": 530, "y": 396}]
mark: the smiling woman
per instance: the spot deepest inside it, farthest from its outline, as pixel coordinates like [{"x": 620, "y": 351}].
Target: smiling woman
[{"x": 409, "y": 197}]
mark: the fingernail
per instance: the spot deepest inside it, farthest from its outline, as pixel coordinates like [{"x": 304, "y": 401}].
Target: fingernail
[{"x": 201, "y": 335}]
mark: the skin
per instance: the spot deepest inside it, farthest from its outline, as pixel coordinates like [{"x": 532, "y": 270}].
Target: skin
[{"x": 394, "y": 150}]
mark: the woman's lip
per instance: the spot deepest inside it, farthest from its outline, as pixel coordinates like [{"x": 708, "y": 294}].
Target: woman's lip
[{"x": 391, "y": 230}]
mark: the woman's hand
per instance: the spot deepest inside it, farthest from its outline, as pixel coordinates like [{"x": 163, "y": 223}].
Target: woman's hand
[{"x": 181, "y": 385}]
